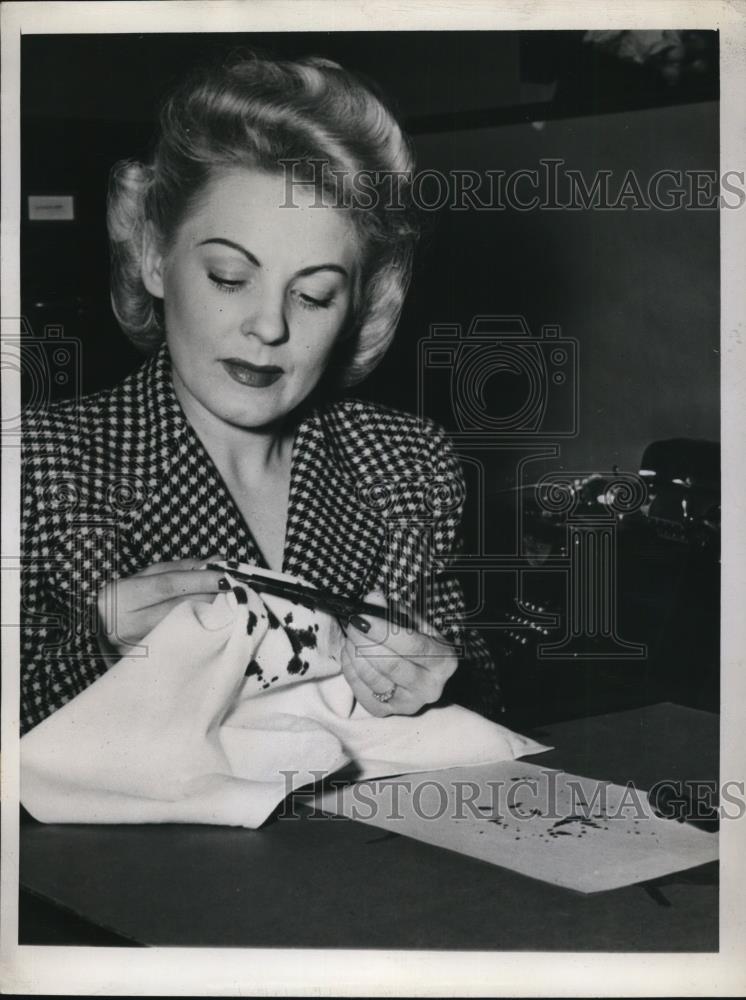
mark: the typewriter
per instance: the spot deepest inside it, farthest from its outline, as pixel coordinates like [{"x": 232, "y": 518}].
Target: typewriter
[{"x": 669, "y": 548}]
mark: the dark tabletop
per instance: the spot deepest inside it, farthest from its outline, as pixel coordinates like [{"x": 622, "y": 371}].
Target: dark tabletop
[{"x": 330, "y": 882}]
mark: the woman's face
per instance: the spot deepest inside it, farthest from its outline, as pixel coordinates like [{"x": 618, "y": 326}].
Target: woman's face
[{"x": 255, "y": 296}]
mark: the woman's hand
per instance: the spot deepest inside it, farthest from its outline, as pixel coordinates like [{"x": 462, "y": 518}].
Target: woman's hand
[
  {"x": 129, "y": 608},
  {"x": 407, "y": 669}
]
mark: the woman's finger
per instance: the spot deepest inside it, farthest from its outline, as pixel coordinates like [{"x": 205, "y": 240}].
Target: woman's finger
[
  {"x": 414, "y": 663},
  {"x": 156, "y": 569},
  {"x": 401, "y": 702},
  {"x": 423, "y": 681},
  {"x": 423, "y": 641},
  {"x": 361, "y": 690},
  {"x": 376, "y": 597},
  {"x": 407, "y": 698},
  {"x": 386, "y": 643},
  {"x": 379, "y": 598},
  {"x": 381, "y": 662},
  {"x": 132, "y": 626},
  {"x": 177, "y": 584},
  {"x": 378, "y": 681}
]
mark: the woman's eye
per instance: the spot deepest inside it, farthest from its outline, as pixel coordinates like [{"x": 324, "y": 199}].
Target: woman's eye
[
  {"x": 225, "y": 284},
  {"x": 311, "y": 302}
]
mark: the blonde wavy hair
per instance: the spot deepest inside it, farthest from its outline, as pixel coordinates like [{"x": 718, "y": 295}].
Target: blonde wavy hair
[{"x": 259, "y": 113}]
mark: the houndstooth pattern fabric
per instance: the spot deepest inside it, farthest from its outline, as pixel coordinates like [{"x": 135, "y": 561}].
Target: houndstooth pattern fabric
[{"x": 119, "y": 480}]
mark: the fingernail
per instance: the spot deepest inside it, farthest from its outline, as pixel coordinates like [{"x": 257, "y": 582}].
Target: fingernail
[
  {"x": 224, "y": 583},
  {"x": 360, "y": 623}
]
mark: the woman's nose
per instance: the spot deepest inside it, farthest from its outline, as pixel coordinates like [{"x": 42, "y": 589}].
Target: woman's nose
[{"x": 266, "y": 320}]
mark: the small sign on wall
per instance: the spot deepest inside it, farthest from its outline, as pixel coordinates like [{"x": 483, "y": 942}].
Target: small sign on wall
[{"x": 51, "y": 207}]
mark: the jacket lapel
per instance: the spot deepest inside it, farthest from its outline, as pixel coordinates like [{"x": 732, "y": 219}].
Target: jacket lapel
[
  {"x": 333, "y": 537},
  {"x": 187, "y": 511}
]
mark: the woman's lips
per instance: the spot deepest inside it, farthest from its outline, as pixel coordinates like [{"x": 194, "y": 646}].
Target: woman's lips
[{"x": 256, "y": 376}]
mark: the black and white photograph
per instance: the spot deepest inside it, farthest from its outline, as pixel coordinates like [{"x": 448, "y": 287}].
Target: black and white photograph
[{"x": 371, "y": 567}]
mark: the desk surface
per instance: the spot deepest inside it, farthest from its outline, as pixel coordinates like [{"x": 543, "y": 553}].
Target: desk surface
[{"x": 325, "y": 883}]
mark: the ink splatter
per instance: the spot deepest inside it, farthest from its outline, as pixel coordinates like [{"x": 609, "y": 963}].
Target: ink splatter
[
  {"x": 254, "y": 670},
  {"x": 300, "y": 639},
  {"x": 583, "y": 820}
]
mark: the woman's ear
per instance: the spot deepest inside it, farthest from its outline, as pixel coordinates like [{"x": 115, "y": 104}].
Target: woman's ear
[{"x": 152, "y": 262}]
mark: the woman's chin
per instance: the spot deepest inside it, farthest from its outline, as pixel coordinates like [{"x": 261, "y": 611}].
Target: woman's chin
[
  {"x": 259, "y": 413},
  {"x": 256, "y": 418},
  {"x": 248, "y": 407}
]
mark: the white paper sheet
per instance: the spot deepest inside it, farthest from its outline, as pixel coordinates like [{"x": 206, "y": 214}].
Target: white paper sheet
[{"x": 561, "y": 828}]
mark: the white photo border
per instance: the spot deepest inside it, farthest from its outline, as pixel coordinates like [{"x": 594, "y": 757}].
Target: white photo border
[{"x": 233, "y": 972}]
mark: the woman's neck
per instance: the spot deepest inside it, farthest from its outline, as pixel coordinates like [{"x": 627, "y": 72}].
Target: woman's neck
[{"x": 241, "y": 452}]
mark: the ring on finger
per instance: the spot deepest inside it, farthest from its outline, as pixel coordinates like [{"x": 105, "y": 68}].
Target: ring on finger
[{"x": 385, "y": 696}]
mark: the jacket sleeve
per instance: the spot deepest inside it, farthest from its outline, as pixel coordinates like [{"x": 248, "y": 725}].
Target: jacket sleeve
[
  {"x": 423, "y": 538},
  {"x": 66, "y": 554},
  {"x": 475, "y": 684}
]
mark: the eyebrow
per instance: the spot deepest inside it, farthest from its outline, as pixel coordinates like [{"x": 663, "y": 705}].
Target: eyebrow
[{"x": 250, "y": 257}]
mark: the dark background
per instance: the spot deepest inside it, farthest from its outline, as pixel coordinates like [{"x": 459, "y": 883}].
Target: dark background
[{"x": 638, "y": 290}]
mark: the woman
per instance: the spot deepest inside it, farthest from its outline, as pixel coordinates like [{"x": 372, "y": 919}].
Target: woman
[{"x": 260, "y": 288}]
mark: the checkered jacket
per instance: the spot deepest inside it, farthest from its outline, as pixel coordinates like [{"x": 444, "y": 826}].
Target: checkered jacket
[{"x": 119, "y": 480}]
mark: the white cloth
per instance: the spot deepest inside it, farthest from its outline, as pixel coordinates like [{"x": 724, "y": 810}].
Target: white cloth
[{"x": 183, "y": 734}]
